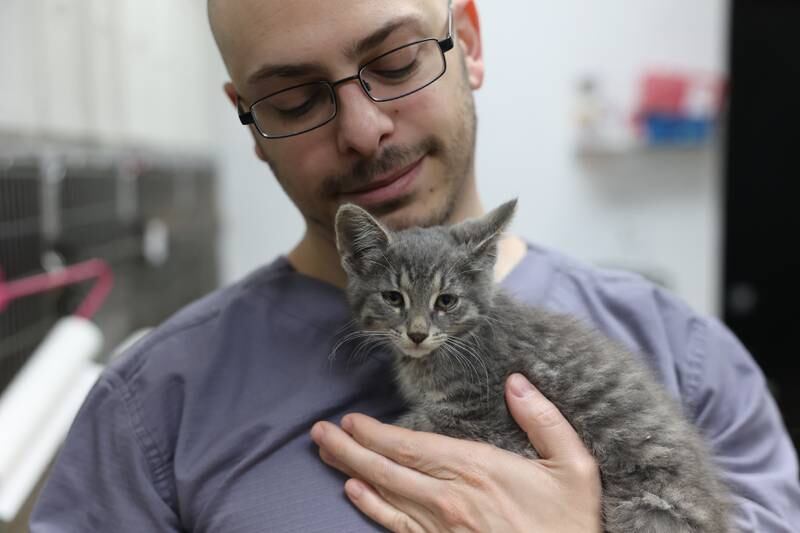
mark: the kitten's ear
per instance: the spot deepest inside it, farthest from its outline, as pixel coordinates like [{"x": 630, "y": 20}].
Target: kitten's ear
[
  {"x": 359, "y": 238},
  {"x": 482, "y": 234}
]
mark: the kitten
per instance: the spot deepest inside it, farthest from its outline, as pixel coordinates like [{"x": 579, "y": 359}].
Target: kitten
[{"x": 430, "y": 294}]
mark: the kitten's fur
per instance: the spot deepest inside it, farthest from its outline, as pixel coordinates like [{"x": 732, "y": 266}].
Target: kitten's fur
[{"x": 656, "y": 473}]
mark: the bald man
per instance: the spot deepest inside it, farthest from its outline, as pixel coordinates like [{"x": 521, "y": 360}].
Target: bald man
[{"x": 230, "y": 417}]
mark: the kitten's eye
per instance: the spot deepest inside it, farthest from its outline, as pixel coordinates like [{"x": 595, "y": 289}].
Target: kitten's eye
[
  {"x": 393, "y": 298},
  {"x": 446, "y": 302}
]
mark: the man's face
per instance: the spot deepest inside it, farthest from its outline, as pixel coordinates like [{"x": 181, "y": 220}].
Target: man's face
[{"x": 408, "y": 161}]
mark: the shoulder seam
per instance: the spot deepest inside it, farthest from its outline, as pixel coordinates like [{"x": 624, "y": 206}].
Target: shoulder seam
[
  {"x": 549, "y": 294},
  {"x": 300, "y": 319},
  {"x": 695, "y": 363},
  {"x": 160, "y": 336},
  {"x": 155, "y": 458}
]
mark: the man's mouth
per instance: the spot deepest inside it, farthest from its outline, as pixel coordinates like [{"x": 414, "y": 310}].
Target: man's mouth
[{"x": 387, "y": 187}]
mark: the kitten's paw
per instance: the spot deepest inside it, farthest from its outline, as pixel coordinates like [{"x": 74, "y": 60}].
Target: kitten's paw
[{"x": 645, "y": 514}]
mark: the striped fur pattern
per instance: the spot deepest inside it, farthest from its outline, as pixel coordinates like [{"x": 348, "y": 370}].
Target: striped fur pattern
[{"x": 429, "y": 295}]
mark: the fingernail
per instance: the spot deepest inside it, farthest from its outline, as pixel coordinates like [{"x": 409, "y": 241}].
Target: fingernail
[
  {"x": 325, "y": 456},
  {"x": 347, "y": 423},
  {"x": 317, "y": 431},
  {"x": 354, "y": 488},
  {"x": 520, "y": 386}
]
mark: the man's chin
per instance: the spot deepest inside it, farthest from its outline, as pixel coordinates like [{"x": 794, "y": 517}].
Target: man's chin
[{"x": 410, "y": 213}]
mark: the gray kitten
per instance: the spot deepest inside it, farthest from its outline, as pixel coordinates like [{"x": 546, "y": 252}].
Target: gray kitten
[{"x": 429, "y": 293}]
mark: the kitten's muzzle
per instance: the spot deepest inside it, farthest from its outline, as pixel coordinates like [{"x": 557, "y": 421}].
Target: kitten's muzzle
[{"x": 418, "y": 337}]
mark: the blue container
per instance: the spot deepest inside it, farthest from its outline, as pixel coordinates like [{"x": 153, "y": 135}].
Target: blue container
[{"x": 664, "y": 129}]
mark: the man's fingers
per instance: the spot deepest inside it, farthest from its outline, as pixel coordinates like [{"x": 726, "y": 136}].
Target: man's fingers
[
  {"x": 331, "y": 461},
  {"x": 547, "y": 429},
  {"x": 377, "y": 508},
  {"x": 347, "y": 455},
  {"x": 424, "y": 452}
]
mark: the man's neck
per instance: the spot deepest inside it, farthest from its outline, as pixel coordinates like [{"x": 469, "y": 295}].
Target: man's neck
[
  {"x": 511, "y": 251},
  {"x": 317, "y": 257}
]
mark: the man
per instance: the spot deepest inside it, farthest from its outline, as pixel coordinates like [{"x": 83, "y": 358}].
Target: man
[{"x": 204, "y": 425}]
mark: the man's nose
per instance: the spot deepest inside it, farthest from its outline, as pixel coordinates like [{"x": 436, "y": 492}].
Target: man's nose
[{"x": 361, "y": 123}]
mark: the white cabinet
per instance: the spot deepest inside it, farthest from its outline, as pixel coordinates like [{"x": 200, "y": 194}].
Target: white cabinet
[
  {"x": 103, "y": 82},
  {"x": 122, "y": 71},
  {"x": 167, "y": 71},
  {"x": 20, "y": 55},
  {"x": 63, "y": 70}
]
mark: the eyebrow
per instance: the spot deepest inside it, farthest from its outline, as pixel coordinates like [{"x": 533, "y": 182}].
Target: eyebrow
[
  {"x": 355, "y": 50},
  {"x": 381, "y": 34}
]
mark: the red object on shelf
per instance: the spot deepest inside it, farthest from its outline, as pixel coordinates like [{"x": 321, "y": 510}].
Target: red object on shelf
[
  {"x": 664, "y": 93},
  {"x": 71, "y": 275},
  {"x": 671, "y": 93},
  {"x": 673, "y": 96}
]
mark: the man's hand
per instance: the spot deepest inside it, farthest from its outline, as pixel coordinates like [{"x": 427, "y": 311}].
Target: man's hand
[{"x": 409, "y": 481}]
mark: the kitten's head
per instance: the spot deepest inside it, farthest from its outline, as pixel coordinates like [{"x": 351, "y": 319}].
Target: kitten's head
[{"x": 419, "y": 286}]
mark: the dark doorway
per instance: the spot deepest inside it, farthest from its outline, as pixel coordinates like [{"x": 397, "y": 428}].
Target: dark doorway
[{"x": 762, "y": 200}]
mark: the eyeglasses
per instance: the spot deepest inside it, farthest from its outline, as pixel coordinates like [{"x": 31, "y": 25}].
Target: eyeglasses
[{"x": 395, "y": 74}]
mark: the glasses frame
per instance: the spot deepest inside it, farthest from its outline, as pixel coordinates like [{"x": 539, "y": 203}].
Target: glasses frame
[{"x": 445, "y": 45}]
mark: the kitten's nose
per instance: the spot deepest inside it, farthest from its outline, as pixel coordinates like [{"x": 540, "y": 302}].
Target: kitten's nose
[{"x": 418, "y": 337}]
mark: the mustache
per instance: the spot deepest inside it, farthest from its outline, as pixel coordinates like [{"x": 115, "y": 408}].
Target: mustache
[{"x": 366, "y": 170}]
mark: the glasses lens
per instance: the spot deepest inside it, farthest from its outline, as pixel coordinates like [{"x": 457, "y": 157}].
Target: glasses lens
[
  {"x": 295, "y": 110},
  {"x": 404, "y": 70}
]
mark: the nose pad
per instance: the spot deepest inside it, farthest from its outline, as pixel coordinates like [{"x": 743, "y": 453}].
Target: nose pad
[{"x": 418, "y": 337}]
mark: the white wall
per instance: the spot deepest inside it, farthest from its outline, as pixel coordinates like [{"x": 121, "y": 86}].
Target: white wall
[
  {"x": 652, "y": 211},
  {"x": 129, "y": 71},
  {"x": 655, "y": 211}
]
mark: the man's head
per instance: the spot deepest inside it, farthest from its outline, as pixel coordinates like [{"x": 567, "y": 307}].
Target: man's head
[{"x": 430, "y": 133}]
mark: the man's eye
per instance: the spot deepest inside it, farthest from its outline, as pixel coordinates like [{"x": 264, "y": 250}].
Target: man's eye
[
  {"x": 300, "y": 110},
  {"x": 398, "y": 65},
  {"x": 297, "y": 111},
  {"x": 397, "y": 73},
  {"x": 295, "y": 103},
  {"x": 393, "y": 298},
  {"x": 446, "y": 302}
]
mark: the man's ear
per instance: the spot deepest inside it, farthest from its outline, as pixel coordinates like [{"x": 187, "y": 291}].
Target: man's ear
[
  {"x": 467, "y": 28},
  {"x": 230, "y": 92},
  {"x": 361, "y": 240}
]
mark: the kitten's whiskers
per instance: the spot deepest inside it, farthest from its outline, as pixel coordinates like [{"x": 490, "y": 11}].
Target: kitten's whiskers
[
  {"x": 475, "y": 353},
  {"x": 451, "y": 352},
  {"x": 347, "y": 325},
  {"x": 368, "y": 341}
]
